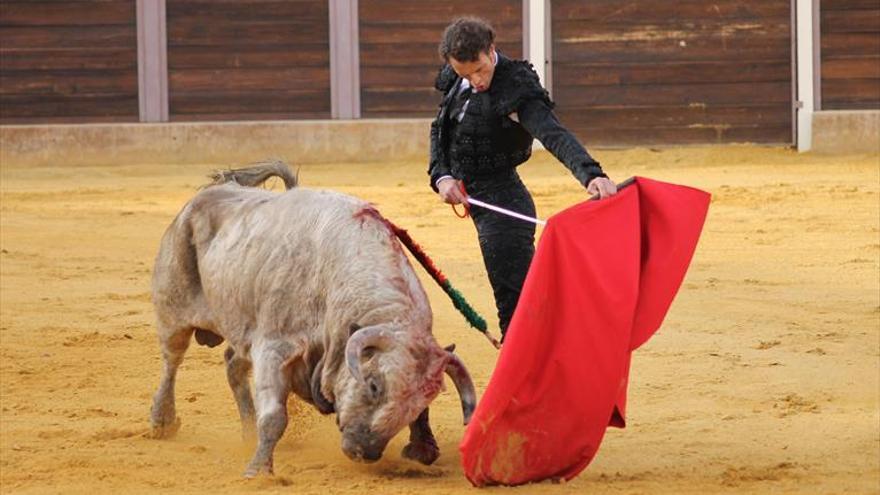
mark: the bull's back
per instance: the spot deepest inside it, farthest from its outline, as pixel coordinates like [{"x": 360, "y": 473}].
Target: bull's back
[
  {"x": 269, "y": 225},
  {"x": 262, "y": 255}
]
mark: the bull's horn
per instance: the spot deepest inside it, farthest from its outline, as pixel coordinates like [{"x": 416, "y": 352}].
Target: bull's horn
[
  {"x": 375, "y": 336},
  {"x": 462, "y": 379}
]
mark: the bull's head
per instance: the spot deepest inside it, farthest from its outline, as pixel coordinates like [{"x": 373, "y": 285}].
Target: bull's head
[{"x": 393, "y": 376}]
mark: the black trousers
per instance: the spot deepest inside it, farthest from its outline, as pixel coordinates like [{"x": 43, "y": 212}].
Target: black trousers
[{"x": 507, "y": 244}]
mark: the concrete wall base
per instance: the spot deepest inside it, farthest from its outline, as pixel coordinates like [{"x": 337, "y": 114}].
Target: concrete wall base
[
  {"x": 217, "y": 143},
  {"x": 846, "y": 131}
]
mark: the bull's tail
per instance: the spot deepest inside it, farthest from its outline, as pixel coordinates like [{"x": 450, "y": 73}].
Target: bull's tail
[{"x": 256, "y": 174}]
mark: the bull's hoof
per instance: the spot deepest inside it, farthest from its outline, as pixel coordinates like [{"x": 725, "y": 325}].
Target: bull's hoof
[
  {"x": 166, "y": 430},
  {"x": 423, "y": 452},
  {"x": 253, "y": 471}
]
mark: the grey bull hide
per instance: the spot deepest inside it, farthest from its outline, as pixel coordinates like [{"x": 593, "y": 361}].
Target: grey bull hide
[{"x": 311, "y": 291}]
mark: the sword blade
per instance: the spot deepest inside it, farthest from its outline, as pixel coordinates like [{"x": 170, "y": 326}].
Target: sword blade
[{"x": 504, "y": 211}]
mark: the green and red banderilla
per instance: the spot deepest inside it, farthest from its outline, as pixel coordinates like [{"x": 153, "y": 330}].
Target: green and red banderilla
[{"x": 458, "y": 300}]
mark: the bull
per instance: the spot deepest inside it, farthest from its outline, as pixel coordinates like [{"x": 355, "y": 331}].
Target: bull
[{"x": 313, "y": 294}]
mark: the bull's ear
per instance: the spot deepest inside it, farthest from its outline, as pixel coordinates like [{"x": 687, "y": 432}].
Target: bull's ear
[
  {"x": 377, "y": 336},
  {"x": 368, "y": 351}
]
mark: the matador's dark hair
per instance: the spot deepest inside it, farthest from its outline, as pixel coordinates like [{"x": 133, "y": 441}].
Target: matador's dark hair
[{"x": 466, "y": 38}]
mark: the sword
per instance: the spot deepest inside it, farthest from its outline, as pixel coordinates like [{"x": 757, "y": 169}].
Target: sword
[
  {"x": 504, "y": 211},
  {"x": 520, "y": 216}
]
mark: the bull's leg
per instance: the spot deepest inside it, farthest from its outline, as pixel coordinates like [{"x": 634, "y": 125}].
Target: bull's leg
[
  {"x": 272, "y": 387},
  {"x": 237, "y": 368},
  {"x": 163, "y": 418},
  {"x": 422, "y": 446}
]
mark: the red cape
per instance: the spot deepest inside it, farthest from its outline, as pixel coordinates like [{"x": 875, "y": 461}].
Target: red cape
[{"x": 603, "y": 277}]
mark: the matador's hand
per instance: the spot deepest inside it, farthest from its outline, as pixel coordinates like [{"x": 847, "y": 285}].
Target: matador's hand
[
  {"x": 450, "y": 191},
  {"x": 602, "y": 186}
]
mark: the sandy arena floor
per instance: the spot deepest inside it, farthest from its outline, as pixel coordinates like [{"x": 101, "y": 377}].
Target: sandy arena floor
[{"x": 764, "y": 378}]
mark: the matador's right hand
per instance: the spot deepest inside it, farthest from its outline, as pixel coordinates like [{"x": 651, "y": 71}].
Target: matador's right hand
[{"x": 451, "y": 191}]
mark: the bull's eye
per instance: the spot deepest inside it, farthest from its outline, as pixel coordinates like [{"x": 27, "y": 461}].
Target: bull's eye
[{"x": 375, "y": 388}]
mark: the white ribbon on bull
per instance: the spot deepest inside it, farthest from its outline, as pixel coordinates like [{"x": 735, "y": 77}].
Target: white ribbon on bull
[{"x": 379, "y": 337}]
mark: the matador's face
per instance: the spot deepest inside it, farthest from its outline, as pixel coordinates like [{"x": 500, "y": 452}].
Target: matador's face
[{"x": 478, "y": 72}]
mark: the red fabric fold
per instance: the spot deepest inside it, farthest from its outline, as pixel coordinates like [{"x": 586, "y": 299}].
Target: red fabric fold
[{"x": 603, "y": 277}]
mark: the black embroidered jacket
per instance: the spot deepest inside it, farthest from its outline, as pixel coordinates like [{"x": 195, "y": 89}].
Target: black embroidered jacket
[{"x": 489, "y": 140}]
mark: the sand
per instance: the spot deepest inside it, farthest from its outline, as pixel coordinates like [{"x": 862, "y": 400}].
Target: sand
[{"x": 765, "y": 376}]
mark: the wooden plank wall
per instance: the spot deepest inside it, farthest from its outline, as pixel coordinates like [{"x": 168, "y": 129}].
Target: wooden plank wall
[
  {"x": 631, "y": 72},
  {"x": 248, "y": 59},
  {"x": 398, "y": 49},
  {"x": 68, "y": 61},
  {"x": 850, "y": 66}
]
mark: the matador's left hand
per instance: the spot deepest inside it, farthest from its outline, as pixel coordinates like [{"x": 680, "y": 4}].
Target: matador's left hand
[{"x": 602, "y": 186}]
